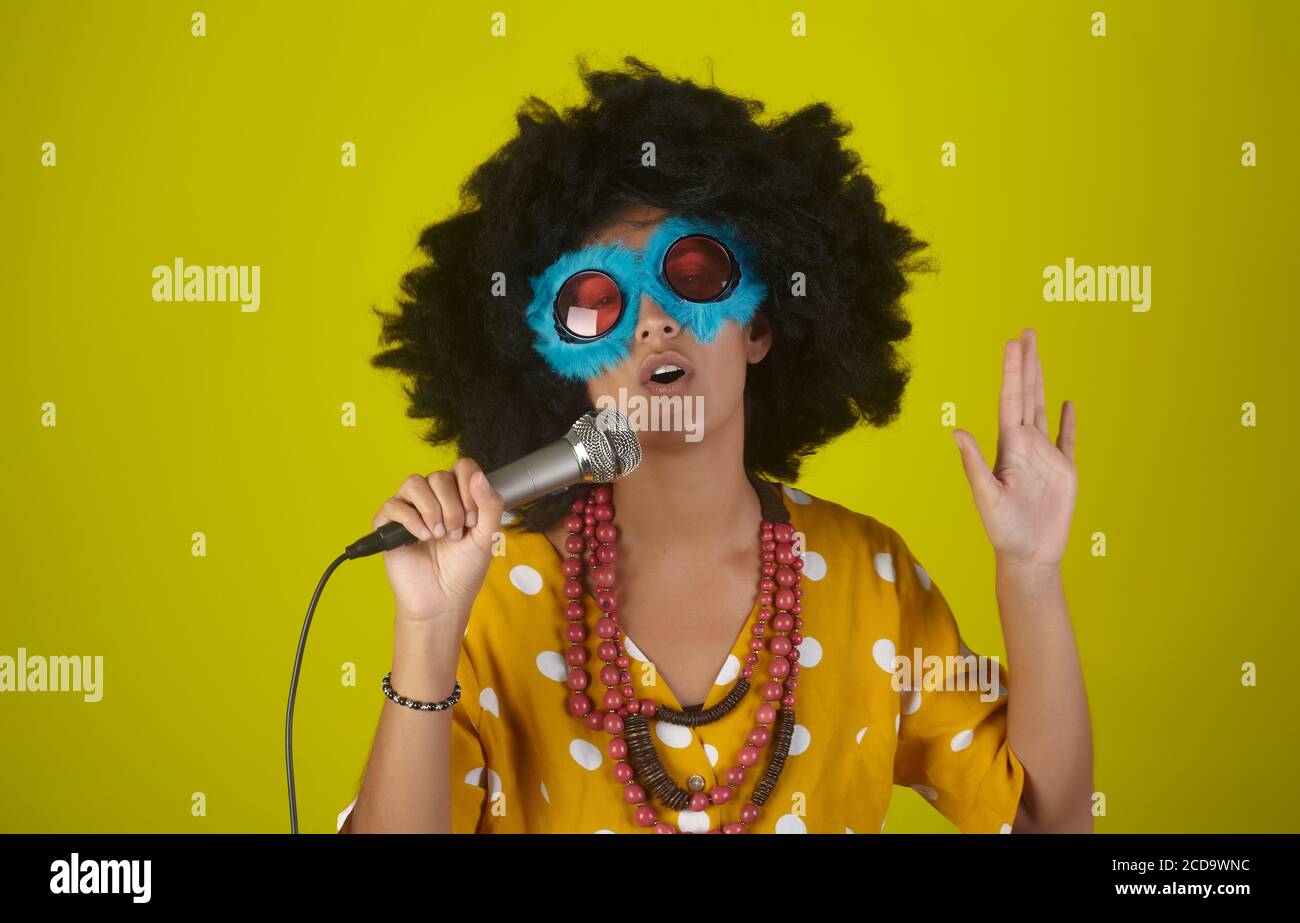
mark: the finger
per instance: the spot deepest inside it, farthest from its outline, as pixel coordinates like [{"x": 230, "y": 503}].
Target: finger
[
  {"x": 490, "y": 506},
  {"x": 982, "y": 482},
  {"x": 415, "y": 490},
  {"x": 463, "y": 470},
  {"x": 1040, "y": 404},
  {"x": 1010, "y": 401},
  {"x": 396, "y": 509},
  {"x": 1065, "y": 439},
  {"x": 448, "y": 494},
  {"x": 1029, "y": 379}
]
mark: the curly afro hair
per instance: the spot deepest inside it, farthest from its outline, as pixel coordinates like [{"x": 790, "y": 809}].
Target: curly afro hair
[{"x": 788, "y": 186}]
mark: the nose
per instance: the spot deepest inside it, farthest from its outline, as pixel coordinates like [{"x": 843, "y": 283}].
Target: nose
[{"x": 654, "y": 321}]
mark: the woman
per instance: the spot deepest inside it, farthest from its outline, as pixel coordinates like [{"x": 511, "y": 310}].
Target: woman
[{"x": 699, "y": 647}]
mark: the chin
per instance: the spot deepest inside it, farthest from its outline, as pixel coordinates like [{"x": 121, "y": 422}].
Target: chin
[{"x": 662, "y": 442}]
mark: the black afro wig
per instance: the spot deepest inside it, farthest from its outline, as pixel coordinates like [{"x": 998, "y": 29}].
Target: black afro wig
[{"x": 787, "y": 185}]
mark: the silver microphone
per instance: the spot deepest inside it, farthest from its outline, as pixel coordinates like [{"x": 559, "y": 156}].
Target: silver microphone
[{"x": 599, "y": 448}]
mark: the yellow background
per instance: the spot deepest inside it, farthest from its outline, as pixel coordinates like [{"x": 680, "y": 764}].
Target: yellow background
[{"x": 183, "y": 417}]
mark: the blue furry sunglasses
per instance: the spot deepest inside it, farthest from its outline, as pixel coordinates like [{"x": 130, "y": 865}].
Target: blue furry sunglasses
[{"x": 585, "y": 305}]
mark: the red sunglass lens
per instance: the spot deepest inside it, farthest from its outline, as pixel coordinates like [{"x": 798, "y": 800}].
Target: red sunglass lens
[
  {"x": 589, "y": 304},
  {"x": 698, "y": 268}
]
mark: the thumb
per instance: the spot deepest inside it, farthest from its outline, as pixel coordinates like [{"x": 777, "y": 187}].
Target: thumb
[
  {"x": 490, "y": 505},
  {"x": 983, "y": 484}
]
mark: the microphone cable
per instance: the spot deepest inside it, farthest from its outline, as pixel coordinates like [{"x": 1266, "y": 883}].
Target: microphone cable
[
  {"x": 293, "y": 689},
  {"x": 387, "y": 537}
]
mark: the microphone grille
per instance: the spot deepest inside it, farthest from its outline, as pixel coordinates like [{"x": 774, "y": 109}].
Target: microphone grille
[
  {"x": 601, "y": 464},
  {"x": 622, "y": 439},
  {"x": 611, "y": 447}
]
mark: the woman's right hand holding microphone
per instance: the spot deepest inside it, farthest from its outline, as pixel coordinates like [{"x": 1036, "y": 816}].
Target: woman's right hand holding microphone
[{"x": 454, "y": 515}]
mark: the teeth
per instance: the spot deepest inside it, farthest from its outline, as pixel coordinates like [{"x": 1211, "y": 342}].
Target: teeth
[{"x": 667, "y": 368}]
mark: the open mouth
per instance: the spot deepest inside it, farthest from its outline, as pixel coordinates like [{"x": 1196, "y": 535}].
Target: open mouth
[{"x": 667, "y": 373}]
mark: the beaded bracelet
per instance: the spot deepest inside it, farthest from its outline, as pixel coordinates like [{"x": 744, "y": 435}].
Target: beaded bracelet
[{"x": 422, "y": 706}]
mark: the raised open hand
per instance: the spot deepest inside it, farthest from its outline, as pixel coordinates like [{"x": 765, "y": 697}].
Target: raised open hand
[{"x": 1027, "y": 499}]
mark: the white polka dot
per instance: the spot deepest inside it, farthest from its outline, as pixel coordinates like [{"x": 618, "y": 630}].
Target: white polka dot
[
  {"x": 926, "y": 792},
  {"x": 848, "y": 829},
  {"x": 800, "y": 740},
  {"x": 810, "y": 652},
  {"x": 487, "y": 700},
  {"x": 674, "y": 735},
  {"x": 883, "y": 653},
  {"x": 858, "y": 736},
  {"x": 553, "y": 666},
  {"x": 909, "y": 702},
  {"x": 632, "y": 650},
  {"x": 924, "y": 577},
  {"x": 603, "y": 831},
  {"x": 712, "y": 753},
  {"x": 693, "y": 821},
  {"x": 885, "y": 565},
  {"x": 791, "y": 823},
  {"x": 961, "y": 741},
  {"x": 797, "y": 495},
  {"x": 343, "y": 815},
  {"x": 814, "y": 565},
  {"x": 584, "y": 754},
  {"x": 526, "y": 579},
  {"x": 507, "y": 517},
  {"x": 730, "y": 670},
  {"x": 546, "y": 796},
  {"x": 1005, "y": 828},
  {"x": 475, "y": 777}
]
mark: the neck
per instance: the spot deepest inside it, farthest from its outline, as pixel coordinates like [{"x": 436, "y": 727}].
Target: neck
[{"x": 697, "y": 497}]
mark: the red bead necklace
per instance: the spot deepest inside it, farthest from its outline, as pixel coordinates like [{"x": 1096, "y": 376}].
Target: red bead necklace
[{"x": 591, "y": 543}]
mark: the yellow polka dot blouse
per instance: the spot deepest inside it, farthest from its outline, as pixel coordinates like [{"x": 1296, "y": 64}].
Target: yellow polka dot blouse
[{"x": 522, "y": 764}]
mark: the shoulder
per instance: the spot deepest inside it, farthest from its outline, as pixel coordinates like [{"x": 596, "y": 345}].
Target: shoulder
[
  {"x": 517, "y": 604},
  {"x": 863, "y": 564},
  {"x": 826, "y": 522},
  {"x": 846, "y": 540},
  {"x": 522, "y": 574},
  {"x": 511, "y": 637}
]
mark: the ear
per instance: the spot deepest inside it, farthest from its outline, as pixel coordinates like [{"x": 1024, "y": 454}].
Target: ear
[{"x": 759, "y": 337}]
